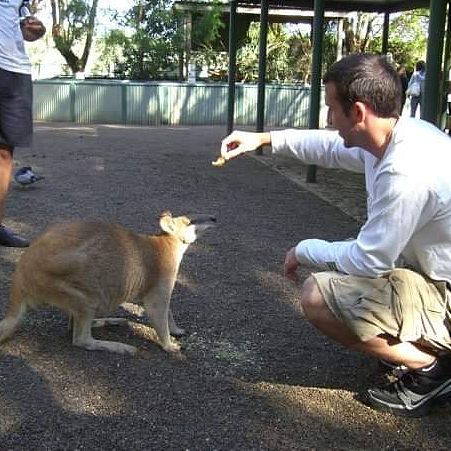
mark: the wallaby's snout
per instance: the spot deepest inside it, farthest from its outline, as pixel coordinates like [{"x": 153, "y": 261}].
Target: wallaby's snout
[
  {"x": 202, "y": 220},
  {"x": 201, "y": 223}
]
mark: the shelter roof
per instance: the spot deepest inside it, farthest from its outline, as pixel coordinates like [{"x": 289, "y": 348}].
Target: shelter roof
[
  {"x": 277, "y": 13},
  {"x": 379, "y": 6}
]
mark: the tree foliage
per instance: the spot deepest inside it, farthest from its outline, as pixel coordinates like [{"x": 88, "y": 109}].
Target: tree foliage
[
  {"x": 110, "y": 48},
  {"x": 157, "y": 41},
  {"x": 207, "y": 49},
  {"x": 407, "y": 38},
  {"x": 153, "y": 45},
  {"x": 73, "y": 27},
  {"x": 289, "y": 54},
  {"x": 207, "y": 27},
  {"x": 284, "y": 54},
  {"x": 359, "y": 31}
]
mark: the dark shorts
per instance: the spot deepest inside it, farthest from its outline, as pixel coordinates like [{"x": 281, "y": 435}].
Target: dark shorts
[{"x": 16, "y": 98}]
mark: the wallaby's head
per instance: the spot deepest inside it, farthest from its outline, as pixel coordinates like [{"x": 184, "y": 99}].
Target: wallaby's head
[{"x": 186, "y": 228}]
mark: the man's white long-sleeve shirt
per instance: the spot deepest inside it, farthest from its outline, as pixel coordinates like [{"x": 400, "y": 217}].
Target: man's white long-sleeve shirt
[{"x": 408, "y": 197}]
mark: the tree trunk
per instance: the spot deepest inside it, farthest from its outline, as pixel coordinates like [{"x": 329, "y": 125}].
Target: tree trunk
[
  {"x": 89, "y": 34},
  {"x": 64, "y": 40}
]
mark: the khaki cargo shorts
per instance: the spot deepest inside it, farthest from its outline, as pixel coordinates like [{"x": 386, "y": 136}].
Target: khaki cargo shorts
[{"x": 402, "y": 304}]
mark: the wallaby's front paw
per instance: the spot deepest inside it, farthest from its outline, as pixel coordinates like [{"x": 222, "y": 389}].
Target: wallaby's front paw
[{"x": 172, "y": 347}]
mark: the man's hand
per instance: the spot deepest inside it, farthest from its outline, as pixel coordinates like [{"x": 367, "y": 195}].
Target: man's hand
[
  {"x": 32, "y": 29},
  {"x": 291, "y": 265},
  {"x": 240, "y": 142}
]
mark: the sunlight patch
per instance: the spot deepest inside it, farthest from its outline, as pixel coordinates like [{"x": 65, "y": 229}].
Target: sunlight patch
[{"x": 234, "y": 355}]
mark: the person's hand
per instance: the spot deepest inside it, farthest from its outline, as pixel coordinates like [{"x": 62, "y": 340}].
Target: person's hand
[
  {"x": 240, "y": 142},
  {"x": 32, "y": 29},
  {"x": 291, "y": 265}
]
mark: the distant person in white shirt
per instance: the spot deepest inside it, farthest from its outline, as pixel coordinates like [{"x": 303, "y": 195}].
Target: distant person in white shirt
[
  {"x": 415, "y": 87},
  {"x": 364, "y": 296},
  {"x": 16, "y": 96}
]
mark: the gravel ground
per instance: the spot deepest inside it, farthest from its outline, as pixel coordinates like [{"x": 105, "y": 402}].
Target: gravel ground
[{"x": 254, "y": 375}]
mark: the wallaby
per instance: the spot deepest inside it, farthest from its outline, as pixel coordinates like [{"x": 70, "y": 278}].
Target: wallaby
[{"x": 86, "y": 268}]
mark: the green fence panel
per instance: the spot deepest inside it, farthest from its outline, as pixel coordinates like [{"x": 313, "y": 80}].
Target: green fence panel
[
  {"x": 52, "y": 102},
  {"x": 166, "y": 103}
]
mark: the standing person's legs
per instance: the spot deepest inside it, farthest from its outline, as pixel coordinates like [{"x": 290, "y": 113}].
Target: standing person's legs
[
  {"x": 16, "y": 129},
  {"x": 7, "y": 236},
  {"x": 414, "y": 102},
  {"x": 6, "y": 166}
]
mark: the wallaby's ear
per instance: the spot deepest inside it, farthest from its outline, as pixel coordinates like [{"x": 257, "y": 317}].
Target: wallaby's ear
[{"x": 166, "y": 222}]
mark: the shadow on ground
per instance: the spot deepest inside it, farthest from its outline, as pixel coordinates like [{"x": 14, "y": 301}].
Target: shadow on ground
[{"x": 254, "y": 374}]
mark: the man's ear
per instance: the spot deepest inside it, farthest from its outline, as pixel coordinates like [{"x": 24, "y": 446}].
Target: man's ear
[{"x": 359, "y": 112}]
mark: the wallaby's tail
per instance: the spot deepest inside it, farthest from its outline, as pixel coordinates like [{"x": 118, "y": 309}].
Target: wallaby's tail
[{"x": 14, "y": 315}]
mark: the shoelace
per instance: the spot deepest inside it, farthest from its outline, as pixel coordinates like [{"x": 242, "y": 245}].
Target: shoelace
[{"x": 400, "y": 371}]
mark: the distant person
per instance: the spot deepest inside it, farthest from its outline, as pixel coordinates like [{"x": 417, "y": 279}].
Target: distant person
[
  {"x": 16, "y": 126},
  {"x": 388, "y": 291},
  {"x": 415, "y": 88},
  {"x": 404, "y": 83}
]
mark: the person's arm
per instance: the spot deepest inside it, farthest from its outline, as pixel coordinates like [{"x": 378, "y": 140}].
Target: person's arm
[
  {"x": 321, "y": 147},
  {"x": 394, "y": 217}
]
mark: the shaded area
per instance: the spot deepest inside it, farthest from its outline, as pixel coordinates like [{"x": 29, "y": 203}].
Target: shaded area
[{"x": 254, "y": 374}]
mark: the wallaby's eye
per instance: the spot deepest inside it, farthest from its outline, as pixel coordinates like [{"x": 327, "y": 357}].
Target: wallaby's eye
[{"x": 165, "y": 213}]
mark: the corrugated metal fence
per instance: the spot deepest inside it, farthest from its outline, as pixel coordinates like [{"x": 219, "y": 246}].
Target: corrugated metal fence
[{"x": 165, "y": 103}]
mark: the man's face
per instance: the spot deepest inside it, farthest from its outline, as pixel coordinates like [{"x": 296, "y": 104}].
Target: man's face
[{"x": 345, "y": 125}]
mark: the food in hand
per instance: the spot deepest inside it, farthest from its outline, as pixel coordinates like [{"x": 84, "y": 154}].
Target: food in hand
[{"x": 220, "y": 161}]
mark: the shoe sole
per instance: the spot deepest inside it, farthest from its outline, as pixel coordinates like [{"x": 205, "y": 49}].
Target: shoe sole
[{"x": 14, "y": 245}]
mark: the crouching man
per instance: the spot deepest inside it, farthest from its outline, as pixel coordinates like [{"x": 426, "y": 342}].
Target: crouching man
[{"x": 362, "y": 295}]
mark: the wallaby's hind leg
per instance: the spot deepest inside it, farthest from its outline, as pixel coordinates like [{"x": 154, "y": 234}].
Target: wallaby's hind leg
[
  {"x": 102, "y": 322},
  {"x": 16, "y": 311},
  {"x": 82, "y": 337},
  {"x": 173, "y": 328}
]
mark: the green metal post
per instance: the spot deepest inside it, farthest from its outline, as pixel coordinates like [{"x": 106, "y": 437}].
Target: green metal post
[
  {"x": 124, "y": 102},
  {"x": 385, "y": 32},
  {"x": 430, "y": 102},
  {"x": 261, "y": 86},
  {"x": 232, "y": 66},
  {"x": 315, "y": 93},
  {"x": 72, "y": 100}
]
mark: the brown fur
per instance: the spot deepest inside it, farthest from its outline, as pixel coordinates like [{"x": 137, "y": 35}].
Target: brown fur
[{"x": 87, "y": 268}]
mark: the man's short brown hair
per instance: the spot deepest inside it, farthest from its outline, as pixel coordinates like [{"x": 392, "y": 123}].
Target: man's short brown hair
[{"x": 367, "y": 78}]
